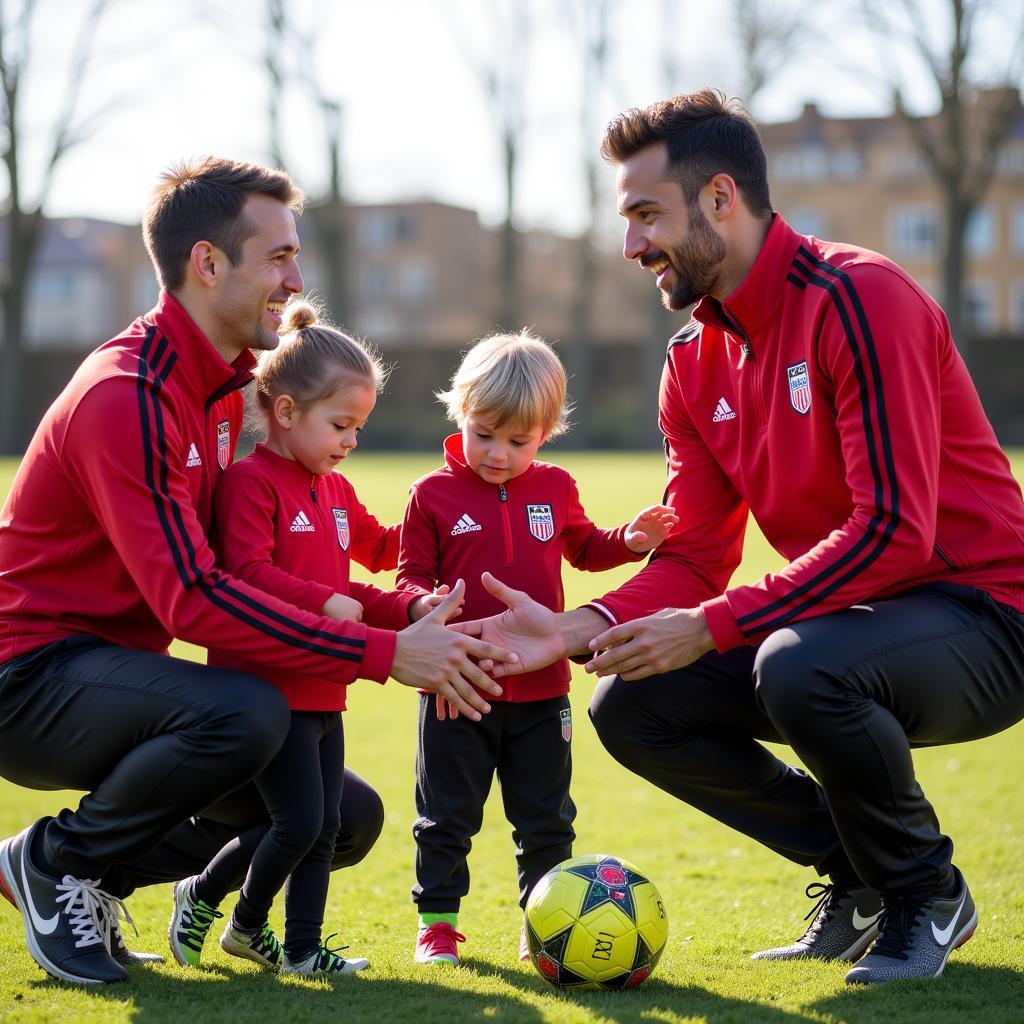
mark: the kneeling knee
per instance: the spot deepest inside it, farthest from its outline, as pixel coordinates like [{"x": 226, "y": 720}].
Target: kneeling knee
[
  {"x": 613, "y": 712},
  {"x": 256, "y": 721},
  {"x": 785, "y": 678}
]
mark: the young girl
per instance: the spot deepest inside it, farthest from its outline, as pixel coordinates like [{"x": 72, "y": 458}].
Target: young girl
[
  {"x": 290, "y": 525},
  {"x": 492, "y": 507}
]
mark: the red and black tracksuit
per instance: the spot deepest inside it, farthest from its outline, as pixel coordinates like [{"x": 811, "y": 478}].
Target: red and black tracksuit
[
  {"x": 103, "y": 560},
  {"x": 456, "y": 526},
  {"x": 294, "y": 533},
  {"x": 826, "y": 397}
]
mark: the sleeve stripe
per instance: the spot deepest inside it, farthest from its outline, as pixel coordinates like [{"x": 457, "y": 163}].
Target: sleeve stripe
[
  {"x": 862, "y": 347},
  {"x": 150, "y": 383}
]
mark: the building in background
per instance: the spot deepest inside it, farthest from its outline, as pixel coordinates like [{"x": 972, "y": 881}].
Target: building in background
[
  {"x": 863, "y": 180},
  {"x": 423, "y": 285},
  {"x": 424, "y": 281}
]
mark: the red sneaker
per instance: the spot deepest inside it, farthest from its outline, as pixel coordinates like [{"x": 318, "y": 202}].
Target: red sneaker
[{"x": 437, "y": 945}]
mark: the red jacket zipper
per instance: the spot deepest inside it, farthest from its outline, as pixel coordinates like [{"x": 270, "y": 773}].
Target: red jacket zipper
[{"x": 506, "y": 523}]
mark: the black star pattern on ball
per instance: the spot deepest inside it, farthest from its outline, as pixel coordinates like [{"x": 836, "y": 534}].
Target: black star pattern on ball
[{"x": 610, "y": 882}]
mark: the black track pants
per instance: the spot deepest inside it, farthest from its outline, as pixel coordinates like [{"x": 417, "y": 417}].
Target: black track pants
[
  {"x": 153, "y": 741},
  {"x": 455, "y": 763},
  {"x": 852, "y": 693},
  {"x": 302, "y": 790}
]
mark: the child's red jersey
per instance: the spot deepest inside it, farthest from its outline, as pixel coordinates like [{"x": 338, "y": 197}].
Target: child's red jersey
[
  {"x": 458, "y": 525},
  {"x": 293, "y": 534}
]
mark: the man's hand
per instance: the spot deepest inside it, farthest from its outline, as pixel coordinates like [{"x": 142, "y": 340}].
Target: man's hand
[
  {"x": 538, "y": 635},
  {"x": 651, "y": 527},
  {"x": 671, "y": 638},
  {"x": 431, "y": 657},
  {"x": 343, "y": 608}
]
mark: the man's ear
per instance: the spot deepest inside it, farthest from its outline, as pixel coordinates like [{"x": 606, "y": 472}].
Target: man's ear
[
  {"x": 284, "y": 410},
  {"x": 204, "y": 261},
  {"x": 724, "y": 195}
]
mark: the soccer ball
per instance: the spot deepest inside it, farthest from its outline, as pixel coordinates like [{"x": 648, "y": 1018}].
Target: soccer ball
[{"x": 595, "y": 922}]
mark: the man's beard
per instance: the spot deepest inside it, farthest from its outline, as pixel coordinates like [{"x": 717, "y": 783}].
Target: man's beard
[{"x": 695, "y": 262}]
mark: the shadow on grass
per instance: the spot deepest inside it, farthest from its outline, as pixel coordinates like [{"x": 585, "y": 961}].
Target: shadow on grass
[
  {"x": 992, "y": 995},
  {"x": 645, "y": 1002}
]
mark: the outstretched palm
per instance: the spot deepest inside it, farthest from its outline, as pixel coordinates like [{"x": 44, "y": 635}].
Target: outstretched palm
[{"x": 526, "y": 628}]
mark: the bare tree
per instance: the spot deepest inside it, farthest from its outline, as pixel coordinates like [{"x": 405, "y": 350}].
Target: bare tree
[
  {"x": 328, "y": 213},
  {"x": 770, "y": 36},
  {"x": 24, "y": 214},
  {"x": 501, "y": 65},
  {"x": 589, "y": 23},
  {"x": 962, "y": 141}
]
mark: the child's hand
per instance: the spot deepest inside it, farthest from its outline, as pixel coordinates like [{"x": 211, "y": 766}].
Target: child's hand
[
  {"x": 650, "y": 528},
  {"x": 343, "y": 609},
  {"x": 422, "y": 605},
  {"x": 453, "y": 711}
]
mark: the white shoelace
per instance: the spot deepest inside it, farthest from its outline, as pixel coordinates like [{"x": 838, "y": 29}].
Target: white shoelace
[{"x": 92, "y": 912}]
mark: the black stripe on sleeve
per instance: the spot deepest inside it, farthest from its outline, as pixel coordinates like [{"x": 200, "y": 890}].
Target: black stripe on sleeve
[
  {"x": 871, "y": 545},
  {"x": 180, "y": 546}
]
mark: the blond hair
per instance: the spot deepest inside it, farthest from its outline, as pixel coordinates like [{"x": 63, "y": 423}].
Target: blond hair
[
  {"x": 312, "y": 361},
  {"x": 513, "y": 379}
]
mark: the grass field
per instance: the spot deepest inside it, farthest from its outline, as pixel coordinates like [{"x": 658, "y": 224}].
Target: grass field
[{"x": 725, "y": 895}]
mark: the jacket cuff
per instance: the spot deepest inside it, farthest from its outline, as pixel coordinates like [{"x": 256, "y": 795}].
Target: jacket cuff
[
  {"x": 722, "y": 623},
  {"x": 316, "y": 597},
  {"x": 378, "y": 655},
  {"x": 582, "y": 659}
]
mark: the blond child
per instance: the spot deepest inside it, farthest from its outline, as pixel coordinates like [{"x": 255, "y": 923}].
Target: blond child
[{"x": 494, "y": 507}]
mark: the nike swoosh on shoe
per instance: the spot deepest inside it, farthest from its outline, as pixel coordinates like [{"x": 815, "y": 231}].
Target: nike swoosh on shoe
[
  {"x": 45, "y": 926},
  {"x": 863, "y": 923},
  {"x": 942, "y": 936}
]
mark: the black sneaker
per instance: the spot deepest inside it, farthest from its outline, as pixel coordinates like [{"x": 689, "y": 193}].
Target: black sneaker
[
  {"x": 917, "y": 936},
  {"x": 845, "y": 924},
  {"x": 62, "y": 916},
  {"x": 110, "y": 929}
]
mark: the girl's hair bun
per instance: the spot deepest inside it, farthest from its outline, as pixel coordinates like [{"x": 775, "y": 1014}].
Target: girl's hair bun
[{"x": 297, "y": 315}]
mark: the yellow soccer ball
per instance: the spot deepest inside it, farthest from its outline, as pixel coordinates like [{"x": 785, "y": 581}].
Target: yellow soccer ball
[{"x": 595, "y": 922}]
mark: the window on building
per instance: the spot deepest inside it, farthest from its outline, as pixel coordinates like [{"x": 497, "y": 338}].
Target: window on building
[
  {"x": 377, "y": 282},
  {"x": 1017, "y": 227},
  {"x": 417, "y": 282},
  {"x": 807, "y": 221},
  {"x": 980, "y": 306},
  {"x": 904, "y": 163},
  {"x": 1010, "y": 162},
  {"x": 381, "y": 228},
  {"x": 50, "y": 285},
  {"x": 801, "y": 163},
  {"x": 914, "y": 230},
  {"x": 1017, "y": 305},
  {"x": 980, "y": 236},
  {"x": 847, "y": 163}
]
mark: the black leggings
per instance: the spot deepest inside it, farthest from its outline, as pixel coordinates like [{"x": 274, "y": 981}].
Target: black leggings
[
  {"x": 165, "y": 751},
  {"x": 851, "y": 693},
  {"x": 301, "y": 788}
]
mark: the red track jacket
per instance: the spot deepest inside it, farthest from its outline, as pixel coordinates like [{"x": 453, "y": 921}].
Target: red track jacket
[
  {"x": 292, "y": 533},
  {"x": 457, "y": 525},
  {"x": 826, "y": 396},
  {"x": 105, "y": 529}
]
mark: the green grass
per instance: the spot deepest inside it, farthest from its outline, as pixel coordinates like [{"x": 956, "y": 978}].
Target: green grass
[{"x": 725, "y": 895}]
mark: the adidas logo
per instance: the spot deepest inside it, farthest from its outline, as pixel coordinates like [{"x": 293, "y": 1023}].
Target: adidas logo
[
  {"x": 300, "y": 524},
  {"x": 193, "y": 459},
  {"x": 465, "y": 525},
  {"x": 723, "y": 412}
]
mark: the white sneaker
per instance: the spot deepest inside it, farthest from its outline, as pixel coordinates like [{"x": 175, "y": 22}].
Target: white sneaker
[{"x": 325, "y": 961}]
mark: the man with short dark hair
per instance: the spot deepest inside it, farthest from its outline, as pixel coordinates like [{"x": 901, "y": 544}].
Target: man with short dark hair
[
  {"x": 817, "y": 388},
  {"x": 104, "y": 560}
]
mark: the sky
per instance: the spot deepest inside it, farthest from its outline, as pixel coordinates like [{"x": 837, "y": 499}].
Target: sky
[{"x": 169, "y": 79}]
